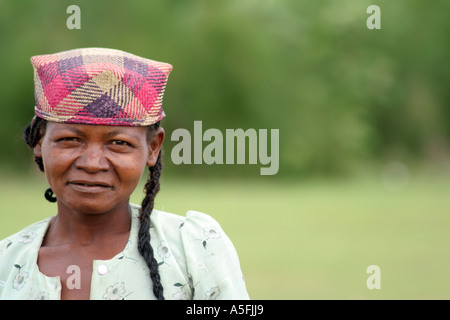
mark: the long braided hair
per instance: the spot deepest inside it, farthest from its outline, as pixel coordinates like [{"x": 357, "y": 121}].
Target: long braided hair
[{"x": 36, "y": 130}]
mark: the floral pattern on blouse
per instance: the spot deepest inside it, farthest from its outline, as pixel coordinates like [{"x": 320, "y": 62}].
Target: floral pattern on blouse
[
  {"x": 195, "y": 257},
  {"x": 115, "y": 292}
]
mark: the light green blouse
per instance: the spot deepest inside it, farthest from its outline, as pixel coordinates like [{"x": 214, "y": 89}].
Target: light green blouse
[{"x": 196, "y": 261}]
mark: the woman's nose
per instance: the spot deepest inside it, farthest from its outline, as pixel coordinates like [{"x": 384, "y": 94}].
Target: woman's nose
[{"x": 92, "y": 160}]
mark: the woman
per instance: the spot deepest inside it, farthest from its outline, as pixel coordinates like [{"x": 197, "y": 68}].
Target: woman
[{"x": 96, "y": 129}]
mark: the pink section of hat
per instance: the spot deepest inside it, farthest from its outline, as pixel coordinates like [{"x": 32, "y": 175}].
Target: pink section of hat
[{"x": 99, "y": 86}]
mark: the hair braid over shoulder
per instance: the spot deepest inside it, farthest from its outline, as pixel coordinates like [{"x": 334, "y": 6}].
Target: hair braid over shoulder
[{"x": 144, "y": 247}]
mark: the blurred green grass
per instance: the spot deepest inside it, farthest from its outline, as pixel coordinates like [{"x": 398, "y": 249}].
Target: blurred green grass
[{"x": 310, "y": 240}]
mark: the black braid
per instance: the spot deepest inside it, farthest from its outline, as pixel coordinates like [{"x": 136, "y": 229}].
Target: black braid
[
  {"x": 145, "y": 249},
  {"x": 33, "y": 133},
  {"x": 36, "y": 130}
]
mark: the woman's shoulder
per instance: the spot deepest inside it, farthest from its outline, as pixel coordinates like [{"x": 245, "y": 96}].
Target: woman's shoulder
[
  {"x": 27, "y": 235},
  {"x": 204, "y": 253},
  {"x": 168, "y": 221},
  {"x": 192, "y": 219},
  {"x": 193, "y": 232},
  {"x": 21, "y": 246},
  {"x": 196, "y": 259}
]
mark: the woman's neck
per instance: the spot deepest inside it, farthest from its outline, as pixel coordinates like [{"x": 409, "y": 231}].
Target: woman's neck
[{"x": 78, "y": 228}]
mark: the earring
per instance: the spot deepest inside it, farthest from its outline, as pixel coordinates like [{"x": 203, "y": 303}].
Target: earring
[{"x": 49, "y": 195}]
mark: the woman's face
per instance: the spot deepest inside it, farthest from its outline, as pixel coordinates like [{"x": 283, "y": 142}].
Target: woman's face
[{"x": 94, "y": 169}]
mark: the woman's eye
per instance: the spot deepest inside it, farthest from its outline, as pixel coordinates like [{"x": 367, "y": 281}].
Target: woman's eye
[
  {"x": 68, "y": 139},
  {"x": 120, "y": 143},
  {"x": 68, "y": 142}
]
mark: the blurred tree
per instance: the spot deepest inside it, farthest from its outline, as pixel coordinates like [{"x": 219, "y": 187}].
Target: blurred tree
[{"x": 340, "y": 94}]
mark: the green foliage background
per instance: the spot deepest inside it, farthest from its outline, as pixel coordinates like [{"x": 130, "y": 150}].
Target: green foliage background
[{"x": 343, "y": 96}]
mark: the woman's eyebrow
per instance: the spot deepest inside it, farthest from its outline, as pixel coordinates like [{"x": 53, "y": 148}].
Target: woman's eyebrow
[
  {"x": 72, "y": 129},
  {"x": 120, "y": 132},
  {"x": 115, "y": 133}
]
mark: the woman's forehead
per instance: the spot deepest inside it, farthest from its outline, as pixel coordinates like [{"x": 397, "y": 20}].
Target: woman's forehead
[{"x": 90, "y": 129}]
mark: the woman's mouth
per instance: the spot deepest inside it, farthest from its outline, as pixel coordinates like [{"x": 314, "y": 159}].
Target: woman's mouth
[{"x": 89, "y": 186}]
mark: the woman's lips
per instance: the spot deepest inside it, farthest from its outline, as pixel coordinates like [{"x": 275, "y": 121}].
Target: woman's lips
[{"x": 90, "y": 186}]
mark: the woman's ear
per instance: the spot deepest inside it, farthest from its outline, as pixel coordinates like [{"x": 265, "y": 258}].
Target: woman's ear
[
  {"x": 37, "y": 150},
  {"x": 155, "y": 146}
]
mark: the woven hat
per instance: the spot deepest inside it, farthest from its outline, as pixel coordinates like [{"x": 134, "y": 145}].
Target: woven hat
[{"x": 99, "y": 86}]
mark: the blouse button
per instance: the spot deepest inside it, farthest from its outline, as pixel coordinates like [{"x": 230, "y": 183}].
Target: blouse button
[{"x": 102, "y": 269}]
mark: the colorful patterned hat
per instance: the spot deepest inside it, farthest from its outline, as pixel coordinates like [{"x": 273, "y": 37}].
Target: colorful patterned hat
[{"x": 99, "y": 86}]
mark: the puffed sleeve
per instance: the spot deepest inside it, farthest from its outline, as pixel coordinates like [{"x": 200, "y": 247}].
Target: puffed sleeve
[{"x": 212, "y": 262}]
